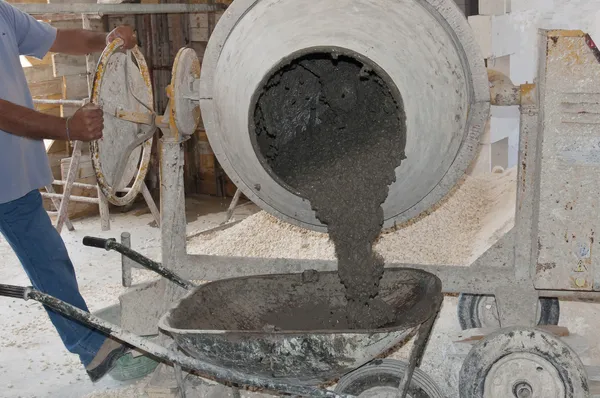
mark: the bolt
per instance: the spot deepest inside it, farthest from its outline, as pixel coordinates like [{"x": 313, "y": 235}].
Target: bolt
[
  {"x": 580, "y": 282},
  {"x": 523, "y": 390}
]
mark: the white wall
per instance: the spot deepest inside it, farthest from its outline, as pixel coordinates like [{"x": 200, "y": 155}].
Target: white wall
[
  {"x": 515, "y": 36},
  {"x": 528, "y": 16}
]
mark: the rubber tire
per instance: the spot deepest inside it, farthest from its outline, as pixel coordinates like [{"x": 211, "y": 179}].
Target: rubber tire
[
  {"x": 387, "y": 373},
  {"x": 507, "y": 341},
  {"x": 468, "y": 319}
]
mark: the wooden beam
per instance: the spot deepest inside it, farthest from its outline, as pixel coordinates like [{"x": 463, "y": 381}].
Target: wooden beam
[
  {"x": 67, "y": 65},
  {"x": 38, "y": 73},
  {"x": 53, "y": 86}
]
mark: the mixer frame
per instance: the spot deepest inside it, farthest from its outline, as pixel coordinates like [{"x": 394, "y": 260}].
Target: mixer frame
[{"x": 510, "y": 270}]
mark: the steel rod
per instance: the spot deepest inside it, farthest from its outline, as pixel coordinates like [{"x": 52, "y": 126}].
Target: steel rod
[
  {"x": 84, "y": 186},
  {"x": 226, "y": 376},
  {"x": 117, "y": 9},
  {"x": 83, "y": 199},
  {"x": 60, "y": 102}
]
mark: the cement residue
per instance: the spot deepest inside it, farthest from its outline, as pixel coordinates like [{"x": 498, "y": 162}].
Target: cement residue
[{"x": 332, "y": 129}]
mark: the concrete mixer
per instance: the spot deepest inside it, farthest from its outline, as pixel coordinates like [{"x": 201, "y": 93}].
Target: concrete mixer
[{"x": 424, "y": 53}]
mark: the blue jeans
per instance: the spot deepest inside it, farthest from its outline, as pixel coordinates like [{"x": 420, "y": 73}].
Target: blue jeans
[{"x": 42, "y": 252}]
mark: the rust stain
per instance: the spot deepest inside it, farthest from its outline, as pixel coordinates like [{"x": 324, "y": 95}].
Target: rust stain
[
  {"x": 528, "y": 94},
  {"x": 565, "y": 33},
  {"x": 524, "y": 169},
  {"x": 543, "y": 267}
]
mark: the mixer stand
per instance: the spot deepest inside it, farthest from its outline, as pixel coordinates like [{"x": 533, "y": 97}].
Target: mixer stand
[{"x": 546, "y": 255}]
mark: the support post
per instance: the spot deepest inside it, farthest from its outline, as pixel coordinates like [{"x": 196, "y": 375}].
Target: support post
[
  {"x": 104, "y": 211},
  {"x": 126, "y": 277},
  {"x": 151, "y": 204},
  {"x": 56, "y": 202},
  {"x": 73, "y": 168}
]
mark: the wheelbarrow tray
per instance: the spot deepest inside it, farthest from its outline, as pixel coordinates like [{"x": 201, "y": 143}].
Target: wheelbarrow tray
[{"x": 291, "y": 327}]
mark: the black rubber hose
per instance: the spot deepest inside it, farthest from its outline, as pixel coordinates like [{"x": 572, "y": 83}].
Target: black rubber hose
[
  {"x": 91, "y": 241},
  {"x": 112, "y": 244}
]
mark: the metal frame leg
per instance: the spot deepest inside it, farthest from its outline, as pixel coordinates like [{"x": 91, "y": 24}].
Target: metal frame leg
[{"x": 416, "y": 355}]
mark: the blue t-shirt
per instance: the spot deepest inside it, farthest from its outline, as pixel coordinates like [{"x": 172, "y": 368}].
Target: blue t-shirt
[{"x": 24, "y": 164}]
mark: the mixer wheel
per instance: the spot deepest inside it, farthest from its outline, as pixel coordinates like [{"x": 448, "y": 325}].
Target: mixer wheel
[
  {"x": 480, "y": 311},
  {"x": 522, "y": 363},
  {"x": 381, "y": 378}
]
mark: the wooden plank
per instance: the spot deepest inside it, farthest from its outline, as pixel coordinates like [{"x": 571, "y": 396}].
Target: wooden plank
[
  {"x": 95, "y": 24},
  {"x": 52, "y": 111},
  {"x": 39, "y": 73},
  {"x": 66, "y": 65},
  {"x": 32, "y": 61},
  {"x": 76, "y": 86},
  {"x": 199, "y": 34},
  {"x": 114, "y": 21},
  {"x": 198, "y": 20},
  {"x": 27, "y": 1},
  {"x": 70, "y": 1},
  {"x": 46, "y": 87}
]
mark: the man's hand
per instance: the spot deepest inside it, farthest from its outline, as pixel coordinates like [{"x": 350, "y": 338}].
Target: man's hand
[
  {"x": 86, "y": 124},
  {"x": 125, "y": 33}
]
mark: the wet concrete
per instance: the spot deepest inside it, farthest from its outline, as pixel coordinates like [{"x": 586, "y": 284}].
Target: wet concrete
[{"x": 332, "y": 129}]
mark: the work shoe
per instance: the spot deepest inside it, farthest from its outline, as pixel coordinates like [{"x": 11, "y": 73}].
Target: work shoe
[{"x": 106, "y": 359}]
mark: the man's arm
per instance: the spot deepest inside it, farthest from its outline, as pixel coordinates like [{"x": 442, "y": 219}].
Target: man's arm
[
  {"x": 85, "y": 125},
  {"x": 82, "y": 41}
]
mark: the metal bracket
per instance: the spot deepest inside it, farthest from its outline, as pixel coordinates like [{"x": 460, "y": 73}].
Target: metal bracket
[{"x": 517, "y": 305}]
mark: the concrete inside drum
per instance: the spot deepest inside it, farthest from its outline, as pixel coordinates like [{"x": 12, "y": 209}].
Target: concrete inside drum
[{"x": 422, "y": 49}]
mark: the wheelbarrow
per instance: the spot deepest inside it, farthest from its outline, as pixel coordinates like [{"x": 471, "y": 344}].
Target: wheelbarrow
[{"x": 281, "y": 333}]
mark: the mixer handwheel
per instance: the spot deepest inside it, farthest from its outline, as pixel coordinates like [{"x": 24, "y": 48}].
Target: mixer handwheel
[
  {"x": 522, "y": 363},
  {"x": 480, "y": 311},
  {"x": 381, "y": 378}
]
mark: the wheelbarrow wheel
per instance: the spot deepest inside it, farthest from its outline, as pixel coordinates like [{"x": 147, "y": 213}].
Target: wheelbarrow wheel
[
  {"x": 381, "y": 378},
  {"x": 523, "y": 363},
  {"x": 480, "y": 311}
]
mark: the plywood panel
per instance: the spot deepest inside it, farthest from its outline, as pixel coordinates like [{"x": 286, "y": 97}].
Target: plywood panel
[
  {"x": 66, "y": 65},
  {"x": 46, "y": 87},
  {"x": 95, "y": 24},
  {"x": 39, "y": 73},
  {"x": 76, "y": 86},
  {"x": 114, "y": 21}
]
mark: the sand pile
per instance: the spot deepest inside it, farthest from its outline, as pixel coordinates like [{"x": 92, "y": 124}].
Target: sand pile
[{"x": 463, "y": 227}]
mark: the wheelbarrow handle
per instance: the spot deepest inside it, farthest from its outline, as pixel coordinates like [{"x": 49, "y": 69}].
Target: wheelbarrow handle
[
  {"x": 19, "y": 292},
  {"x": 112, "y": 244},
  {"x": 100, "y": 243},
  {"x": 223, "y": 375}
]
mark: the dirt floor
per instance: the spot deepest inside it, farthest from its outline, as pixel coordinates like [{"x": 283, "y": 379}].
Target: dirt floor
[{"x": 34, "y": 363}]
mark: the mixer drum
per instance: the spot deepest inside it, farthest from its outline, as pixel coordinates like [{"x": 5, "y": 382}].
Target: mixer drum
[{"x": 422, "y": 50}]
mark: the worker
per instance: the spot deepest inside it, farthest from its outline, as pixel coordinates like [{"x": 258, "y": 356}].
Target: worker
[{"x": 24, "y": 169}]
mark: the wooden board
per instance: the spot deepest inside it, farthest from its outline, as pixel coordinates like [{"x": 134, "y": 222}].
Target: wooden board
[
  {"x": 32, "y": 61},
  {"x": 114, "y": 21},
  {"x": 67, "y": 65},
  {"x": 53, "y": 86},
  {"x": 75, "y": 86},
  {"x": 95, "y": 24},
  {"x": 38, "y": 73},
  {"x": 84, "y": 175}
]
